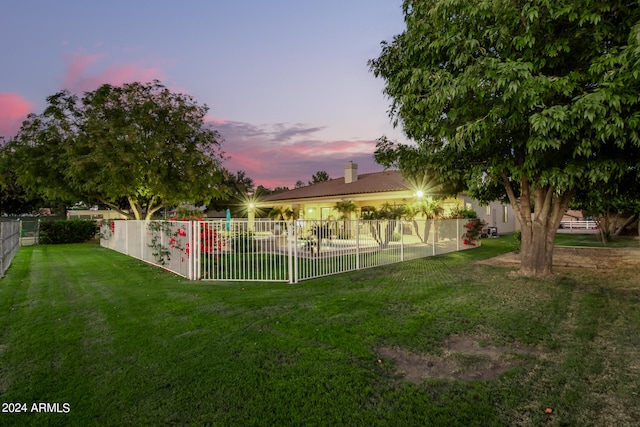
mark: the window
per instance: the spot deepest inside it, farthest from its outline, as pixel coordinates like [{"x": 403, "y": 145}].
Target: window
[
  {"x": 505, "y": 214},
  {"x": 487, "y": 210},
  {"x": 326, "y": 213}
]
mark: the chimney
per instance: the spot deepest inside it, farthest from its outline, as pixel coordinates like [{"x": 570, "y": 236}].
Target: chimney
[{"x": 350, "y": 172}]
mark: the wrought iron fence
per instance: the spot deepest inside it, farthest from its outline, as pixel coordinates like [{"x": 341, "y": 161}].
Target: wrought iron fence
[
  {"x": 9, "y": 243},
  {"x": 229, "y": 250}
]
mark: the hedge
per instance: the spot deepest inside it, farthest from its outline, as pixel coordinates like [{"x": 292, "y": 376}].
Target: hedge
[{"x": 67, "y": 231}]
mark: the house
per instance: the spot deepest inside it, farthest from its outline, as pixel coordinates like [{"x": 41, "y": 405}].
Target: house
[
  {"x": 94, "y": 214},
  {"x": 317, "y": 201}
]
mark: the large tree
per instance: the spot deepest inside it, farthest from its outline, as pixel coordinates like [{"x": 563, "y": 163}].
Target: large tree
[
  {"x": 531, "y": 100},
  {"x": 140, "y": 142}
]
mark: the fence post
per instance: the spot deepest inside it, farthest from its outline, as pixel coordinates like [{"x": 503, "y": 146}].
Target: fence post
[
  {"x": 458, "y": 237},
  {"x": 401, "y": 241},
  {"x": 142, "y": 233},
  {"x": 126, "y": 238},
  {"x": 433, "y": 234},
  {"x": 292, "y": 274},
  {"x": 194, "y": 274},
  {"x": 357, "y": 244}
]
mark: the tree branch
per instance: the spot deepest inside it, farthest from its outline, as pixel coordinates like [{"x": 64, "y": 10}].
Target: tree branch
[{"x": 113, "y": 206}]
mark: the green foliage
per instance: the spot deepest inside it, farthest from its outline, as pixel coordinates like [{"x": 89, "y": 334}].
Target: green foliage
[
  {"x": 161, "y": 232},
  {"x": 278, "y": 213},
  {"x": 139, "y": 143},
  {"x": 609, "y": 204},
  {"x": 67, "y": 231},
  {"x": 518, "y": 101},
  {"x": 320, "y": 176},
  {"x": 458, "y": 212},
  {"x": 517, "y": 236},
  {"x": 345, "y": 208},
  {"x": 428, "y": 208}
]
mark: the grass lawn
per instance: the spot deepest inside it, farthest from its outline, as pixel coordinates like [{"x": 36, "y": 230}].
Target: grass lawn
[
  {"x": 435, "y": 341},
  {"x": 575, "y": 239}
]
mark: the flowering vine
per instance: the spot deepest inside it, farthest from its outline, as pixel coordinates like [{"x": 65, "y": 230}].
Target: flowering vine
[
  {"x": 210, "y": 240},
  {"x": 107, "y": 229},
  {"x": 474, "y": 229}
]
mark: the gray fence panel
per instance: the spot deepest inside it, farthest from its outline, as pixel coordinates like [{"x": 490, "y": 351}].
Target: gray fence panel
[{"x": 9, "y": 243}]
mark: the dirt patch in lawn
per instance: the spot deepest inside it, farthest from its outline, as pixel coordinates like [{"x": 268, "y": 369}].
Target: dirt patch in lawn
[
  {"x": 462, "y": 359},
  {"x": 575, "y": 256}
]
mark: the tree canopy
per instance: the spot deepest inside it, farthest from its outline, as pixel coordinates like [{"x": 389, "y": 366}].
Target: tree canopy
[
  {"x": 320, "y": 176},
  {"x": 140, "y": 143},
  {"x": 529, "y": 101}
]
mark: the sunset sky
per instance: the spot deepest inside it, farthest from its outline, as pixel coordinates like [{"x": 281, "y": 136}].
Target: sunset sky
[{"x": 286, "y": 81}]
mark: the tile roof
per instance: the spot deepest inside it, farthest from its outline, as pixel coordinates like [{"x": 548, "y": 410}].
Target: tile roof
[{"x": 377, "y": 182}]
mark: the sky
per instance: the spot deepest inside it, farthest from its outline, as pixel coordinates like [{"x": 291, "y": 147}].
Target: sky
[{"x": 286, "y": 81}]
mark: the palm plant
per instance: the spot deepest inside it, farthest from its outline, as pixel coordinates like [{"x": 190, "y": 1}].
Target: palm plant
[
  {"x": 280, "y": 213},
  {"x": 345, "y": 208},
  {"x": 429, "y": 209}
]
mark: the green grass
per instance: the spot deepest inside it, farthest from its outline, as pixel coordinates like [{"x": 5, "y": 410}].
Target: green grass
[
  {"x": 124, "y": 343},
  {"x": 571, "y": 239}
]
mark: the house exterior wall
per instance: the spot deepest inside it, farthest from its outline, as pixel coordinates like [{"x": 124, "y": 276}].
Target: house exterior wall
[
  {"x": 495, "y": 214},
  {"x": 94, "y": 214}
]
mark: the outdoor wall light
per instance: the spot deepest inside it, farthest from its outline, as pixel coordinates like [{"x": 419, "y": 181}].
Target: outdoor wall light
[
  {"x": 419, "y": 193},
  {"x": 251, "y": 205}
]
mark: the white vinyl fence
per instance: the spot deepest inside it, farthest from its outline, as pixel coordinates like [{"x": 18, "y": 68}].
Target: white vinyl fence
[
  {"x": 9, "y": 243},
  {"x": 280, "y": 250},
  {"x": 578, "y": 225}
]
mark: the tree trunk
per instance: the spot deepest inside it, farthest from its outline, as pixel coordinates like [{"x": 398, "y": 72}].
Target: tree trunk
[
  {"x": 375, "y": 230},
  {"x": 538, "y": 229},
  {"x": 135, "y": 208},
  {"x": 388, "y": 232},
  {"x": 427, "y": 230},
  {"x": 536, "y": 251},
  {"x": 417, "y": 231},
  {"x": 628, "y": 222},
  {"x": 115, "y": 208}
]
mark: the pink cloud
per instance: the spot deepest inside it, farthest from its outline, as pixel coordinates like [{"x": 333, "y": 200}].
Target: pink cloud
[
  {"x": 79, "y": 76},
  {"x": 13, "y": 110},
  {"x": 279, "y": 155}
]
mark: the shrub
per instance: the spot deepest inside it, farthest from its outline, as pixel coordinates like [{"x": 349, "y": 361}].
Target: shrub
[
  {"x": 67, "y": 231},
  {"x": 518, "y": 238}
]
